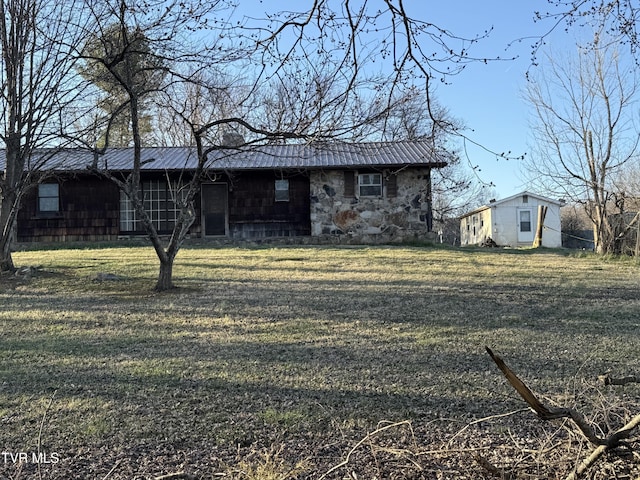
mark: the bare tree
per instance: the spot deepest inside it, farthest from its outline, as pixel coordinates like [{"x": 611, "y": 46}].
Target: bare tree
[
  {"x": 456, "y": 187},
  {"x": 364, "y": 54},
  {"x": 316, "y": 56},
  {"x": 618, "y": 18},
  {"x": 205, "y": 96},
  {"x": 135, "y": 43},
  {"x": 584, "y": 131},
  {"x": 37, "y": 92}
]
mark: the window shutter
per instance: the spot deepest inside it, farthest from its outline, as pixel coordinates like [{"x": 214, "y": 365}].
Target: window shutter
[
  {"x": 391, "y": 183},
  {"x": 349, "y": 184}
]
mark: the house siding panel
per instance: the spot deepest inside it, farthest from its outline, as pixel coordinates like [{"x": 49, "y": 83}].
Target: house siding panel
[
  {"x": 477, "y": 227},
  {"x": 88, "y": 211},
  {"x": 255, "y": 213}
]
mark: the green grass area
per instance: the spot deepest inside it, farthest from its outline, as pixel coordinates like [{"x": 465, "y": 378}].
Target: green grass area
[{"x": 301, "y": 349}]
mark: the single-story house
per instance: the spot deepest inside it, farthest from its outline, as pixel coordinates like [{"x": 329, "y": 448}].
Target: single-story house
[
  {"x": 513, "y": 222},
  {"x": 365, "y": 193}
]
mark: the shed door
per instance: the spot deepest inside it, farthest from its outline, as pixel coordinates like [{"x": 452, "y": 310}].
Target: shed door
[
  {"x": 214, "y": 209},
  {"x": 525, "y": 225}
]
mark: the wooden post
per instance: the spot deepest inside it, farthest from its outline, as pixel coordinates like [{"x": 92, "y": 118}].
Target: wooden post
[{"x": 542, "y": 212}]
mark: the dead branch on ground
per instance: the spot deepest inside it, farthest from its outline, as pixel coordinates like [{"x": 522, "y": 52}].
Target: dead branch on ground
[
  {"x": 364, "y": 440},
  {"x": 176, "y": 476},
  {"x": 608, "y": 380},
  {"x": 482, "y": 420},
  {"x": 616, "y": 439},
  {"x": 493, "y": 470},
  {"x": 113, "y": 469}
]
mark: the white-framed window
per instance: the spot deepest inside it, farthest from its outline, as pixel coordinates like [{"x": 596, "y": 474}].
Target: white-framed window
[
  {"x": 370, "y": 184},
  {"x": 48, "y": 198},
  {"x": 159, "y": 203},
  {"x": 282, "y": 190},
  {"x": 525, "y": 220}
]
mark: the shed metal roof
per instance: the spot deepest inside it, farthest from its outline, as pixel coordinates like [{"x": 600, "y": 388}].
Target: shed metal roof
[
  {"x": 495, "y": 203},
  {"x": 267, "y": 157}
]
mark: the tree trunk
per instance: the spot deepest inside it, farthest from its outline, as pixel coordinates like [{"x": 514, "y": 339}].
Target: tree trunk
[
  {"x": 602, "y": 237},
  {"x": 6, "y": 260},
  {"x": 542, "y": 213},
  {"x": 7, "y": 229},
  {"x": 165, "y": 276}
]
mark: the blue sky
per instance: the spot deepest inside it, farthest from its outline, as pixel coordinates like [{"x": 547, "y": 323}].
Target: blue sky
[{"x": 487, "y": 98}]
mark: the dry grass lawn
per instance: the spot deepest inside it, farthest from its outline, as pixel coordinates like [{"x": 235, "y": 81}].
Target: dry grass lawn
[{"x": 275, "y": 362}]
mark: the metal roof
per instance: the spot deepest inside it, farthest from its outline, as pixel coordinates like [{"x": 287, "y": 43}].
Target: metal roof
[
  {"x": 495, "y": 203},
  {"x": 267, "y": 157}
]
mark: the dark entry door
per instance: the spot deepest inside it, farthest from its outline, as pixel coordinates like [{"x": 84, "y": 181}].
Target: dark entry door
[{"x": 214, "y": 209}]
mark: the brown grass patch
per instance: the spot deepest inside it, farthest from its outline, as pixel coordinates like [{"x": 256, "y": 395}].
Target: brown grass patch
[{"x": 293, "y": 355}]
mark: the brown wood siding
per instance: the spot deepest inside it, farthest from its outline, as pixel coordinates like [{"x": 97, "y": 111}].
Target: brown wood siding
[
  {"x": 254, "y": 211},
  {"x": 88, "y": 211}
]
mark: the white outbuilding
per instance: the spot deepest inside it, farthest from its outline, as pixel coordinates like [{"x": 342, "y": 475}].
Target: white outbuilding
[{"x": 513, "y": 222}]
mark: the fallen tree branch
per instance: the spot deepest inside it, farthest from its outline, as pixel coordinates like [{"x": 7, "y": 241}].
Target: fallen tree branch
[
  {"x": 176, "y": 476},
  {"x": 543, "y": 412},
  {"x": 548, "y": 413},
  {"x": 113, "y": 469},
  {"x": 493, "y": 470},
  {"x": 587, "y": 462},
  {"x": 368, "y": 437},
  {"x": 607, "y": 380},
  {"x": 597, "y": 453},
  {"x": 480, "y": 420}
]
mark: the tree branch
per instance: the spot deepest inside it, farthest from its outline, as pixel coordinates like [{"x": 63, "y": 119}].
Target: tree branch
[
  {"x": 607, "y": 380},
  {"x": 544, "y": 412},
  {"x": 548, "y": 413}
]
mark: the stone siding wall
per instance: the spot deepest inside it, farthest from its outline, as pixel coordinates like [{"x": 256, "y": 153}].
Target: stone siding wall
[{"x": 400, "y": 214}]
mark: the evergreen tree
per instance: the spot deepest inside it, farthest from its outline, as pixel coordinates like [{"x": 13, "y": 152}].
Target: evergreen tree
[{"x": 119, "y": 61}]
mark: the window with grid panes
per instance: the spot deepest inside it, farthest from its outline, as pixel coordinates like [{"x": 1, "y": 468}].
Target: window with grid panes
[
  {"x": 48, "y": 198},
  {"x": 282, "y": 190},
  {"x": 159, "y": 203}
]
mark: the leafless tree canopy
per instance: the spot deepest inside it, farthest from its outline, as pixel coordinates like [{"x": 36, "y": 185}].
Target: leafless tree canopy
[
  {"x": 617, "y": 19},
  {"x": 39, "y": 95},
  {"x": 329, "y": 71},
  {"x": 584, "y": 130},
  {"x": 369, "y": 53}
]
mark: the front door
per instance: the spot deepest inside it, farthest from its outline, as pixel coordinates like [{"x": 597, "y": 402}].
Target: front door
[
  {"x": 214, "y": 209},
  {"x": 525, "y": 225}
]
